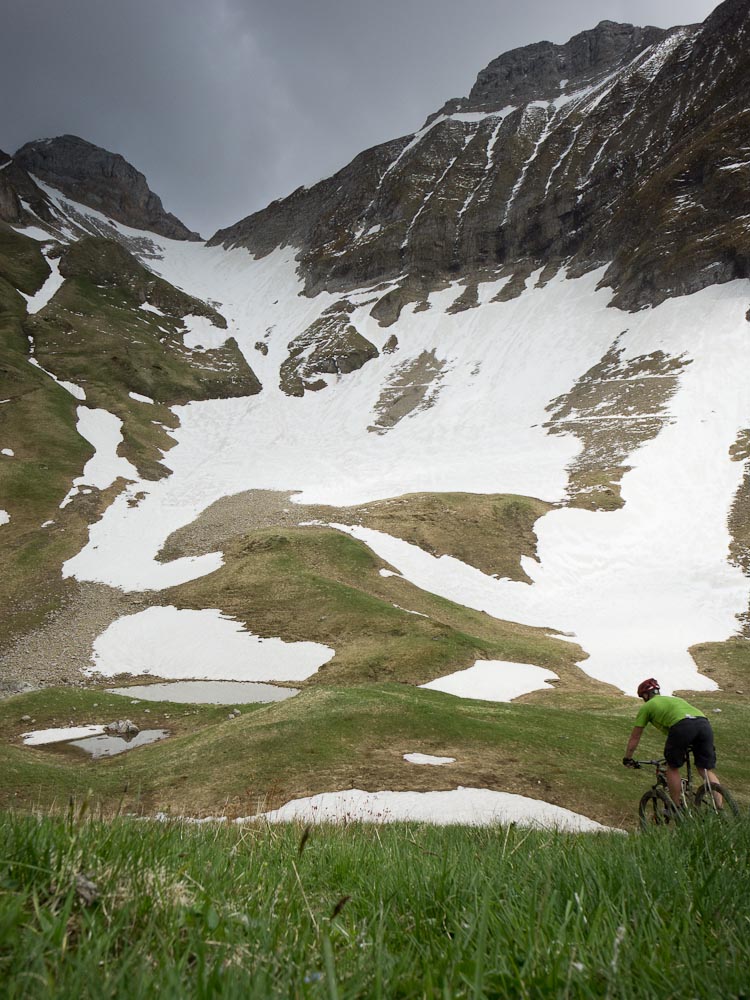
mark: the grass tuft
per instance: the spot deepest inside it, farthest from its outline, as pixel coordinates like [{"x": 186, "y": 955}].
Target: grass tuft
[{"x": 395, "y": 911}]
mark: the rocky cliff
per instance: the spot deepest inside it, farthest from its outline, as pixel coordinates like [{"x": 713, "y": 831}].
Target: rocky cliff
[
  {"x": 101, "y": 180},
  {"x": 624, "y": 147}
]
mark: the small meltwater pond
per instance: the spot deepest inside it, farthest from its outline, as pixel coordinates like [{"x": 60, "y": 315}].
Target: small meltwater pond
[
  {"x": 208, "y": 692},
  {"x": 91, "y": 740},
  {"x": 110, "y": 746}
]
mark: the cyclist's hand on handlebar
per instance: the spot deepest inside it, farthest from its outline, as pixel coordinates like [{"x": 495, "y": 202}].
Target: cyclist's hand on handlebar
[{"x": 629, "y": 762}]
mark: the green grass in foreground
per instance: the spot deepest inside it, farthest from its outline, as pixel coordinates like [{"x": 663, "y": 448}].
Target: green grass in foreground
[{"x": 138, "y": 909}]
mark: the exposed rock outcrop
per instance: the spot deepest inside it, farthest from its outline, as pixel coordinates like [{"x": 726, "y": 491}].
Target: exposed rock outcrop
[
  {"x": 330, "y": 346},
  {"x": 101, "y": 180},
  {"x": 16, "y": 187},
  {"x": 122, "y": 727},
  {"x": 10, "y": 205},
  {"x": 543, "y": 70}
]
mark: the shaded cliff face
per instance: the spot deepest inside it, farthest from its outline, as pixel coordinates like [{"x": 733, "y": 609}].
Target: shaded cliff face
[
  {"x": 17, "y": 188},
  {"x": 625, "y": 146},
  {"x": 101, "y": 180},
  {"x": 534, "y": 72}
]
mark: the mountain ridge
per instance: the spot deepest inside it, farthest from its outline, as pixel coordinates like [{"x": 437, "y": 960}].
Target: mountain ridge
[
  {"x": 543, "y": 69},
  {"x": 548, "y": 183}
]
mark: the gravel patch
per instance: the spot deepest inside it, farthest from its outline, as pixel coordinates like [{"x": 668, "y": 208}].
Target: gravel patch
[
  {"x": 234, "y": 516},
  {"x": 59, "y": 651}
]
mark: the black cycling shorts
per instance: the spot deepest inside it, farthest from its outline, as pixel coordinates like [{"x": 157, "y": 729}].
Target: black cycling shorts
[{"x": 695, "y": 733}]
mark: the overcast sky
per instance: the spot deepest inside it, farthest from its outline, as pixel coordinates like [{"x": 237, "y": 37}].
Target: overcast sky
[{"x": 226, "y": 105}]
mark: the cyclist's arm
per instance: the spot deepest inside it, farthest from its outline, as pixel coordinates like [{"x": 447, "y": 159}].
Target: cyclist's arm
[{"x": 635, "y": 739}]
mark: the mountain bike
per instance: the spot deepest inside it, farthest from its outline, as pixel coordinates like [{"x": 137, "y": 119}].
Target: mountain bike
[{"x": 656, "y": 807}]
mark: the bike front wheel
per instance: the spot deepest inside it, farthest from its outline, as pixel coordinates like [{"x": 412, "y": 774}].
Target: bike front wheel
[
  {"x": 656, "y": 809},
  {"x": 707, "y": 804}
]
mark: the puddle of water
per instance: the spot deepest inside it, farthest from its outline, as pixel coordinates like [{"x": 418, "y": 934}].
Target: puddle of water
[
  {"x": 110, "y": 746},
  {"x": 208, "y": 692}
]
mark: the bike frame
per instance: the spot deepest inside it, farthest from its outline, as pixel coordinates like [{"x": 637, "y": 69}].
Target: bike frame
[{"x": 686, "y": 793}]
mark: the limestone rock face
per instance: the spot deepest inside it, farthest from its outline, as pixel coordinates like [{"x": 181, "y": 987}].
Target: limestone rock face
[
  {"x": 624, "y": 147},
  {"x": 330, "y": 346},
  {"x": 540, "y": 71},
  {"x": 101, "y": 180},
  {"x": 15, "y": 187},
  {"x": 10, "y": 206}
]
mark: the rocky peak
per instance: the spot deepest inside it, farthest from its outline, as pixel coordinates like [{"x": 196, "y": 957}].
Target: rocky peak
[
  {"x": 728, "y": 13},
  {"x": 101, "y": 180},
  {"x": 543, "y": 70}
]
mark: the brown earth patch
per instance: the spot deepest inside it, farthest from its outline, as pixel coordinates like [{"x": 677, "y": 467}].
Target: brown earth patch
[
  {"x": 412, "y": 387},
  {"x": 615, "y": 407}
]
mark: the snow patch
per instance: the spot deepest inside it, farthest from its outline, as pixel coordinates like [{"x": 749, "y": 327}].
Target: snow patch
[
  {"x": 33, "y": 232},
  {"x": 464, "y": 806},
  {"x": 494, "y": 680},
  {"x": 201, "y": 333},
  {"x": 40, "y": 737},
  {"x": 202, "y": 645},
  {"x": 71, "y": 387},
  {"x": 37, "y": 301},
  {"x": 102, "y": 430},
  {"x": 426, "y": 758}
]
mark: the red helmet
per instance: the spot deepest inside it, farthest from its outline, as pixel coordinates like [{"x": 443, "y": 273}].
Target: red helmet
[{"x": 646, "y": 687}]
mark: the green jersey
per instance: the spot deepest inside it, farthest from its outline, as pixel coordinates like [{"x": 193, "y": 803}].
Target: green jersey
[{"x": 664, "y": 711}]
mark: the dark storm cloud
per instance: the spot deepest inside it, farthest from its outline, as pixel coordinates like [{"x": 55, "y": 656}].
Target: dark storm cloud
[{"x": 228, "y": 104}]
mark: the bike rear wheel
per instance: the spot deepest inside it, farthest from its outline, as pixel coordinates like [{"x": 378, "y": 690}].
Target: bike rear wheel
[
  {"x": 706, "y": 805},
  {"x": 656, "y": 809}
]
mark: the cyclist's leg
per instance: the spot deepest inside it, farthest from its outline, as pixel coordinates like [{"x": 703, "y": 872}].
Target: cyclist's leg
[
  {"x": 704, "y": 754},
  {"x": 674, "y": 784},
  {"x": 675, "y": 750},
  {"x": 709, "y": 779},
  {"x": 705, "y": 773}
]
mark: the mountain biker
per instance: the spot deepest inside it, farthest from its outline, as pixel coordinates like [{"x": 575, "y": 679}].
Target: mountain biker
[{"x": 685, "y": 727}]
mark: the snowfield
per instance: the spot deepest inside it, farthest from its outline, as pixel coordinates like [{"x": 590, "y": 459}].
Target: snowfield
[{"x": 636, "y": 587}]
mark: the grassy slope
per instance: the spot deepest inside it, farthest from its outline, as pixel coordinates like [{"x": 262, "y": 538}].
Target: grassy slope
[
  {"x": 348, "y": 728},
  {"x": 324, "y": 586},
  {"x": 35, "y": 480},
  {"x": 92, "y": 333},
  {"x": 728, "y": 663},
  {"x": 490, "y": 532},
  {"x": 331, "y": 738},
  {"x": 398, "y": 912},
  {"x": 95, "y": 334}
]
